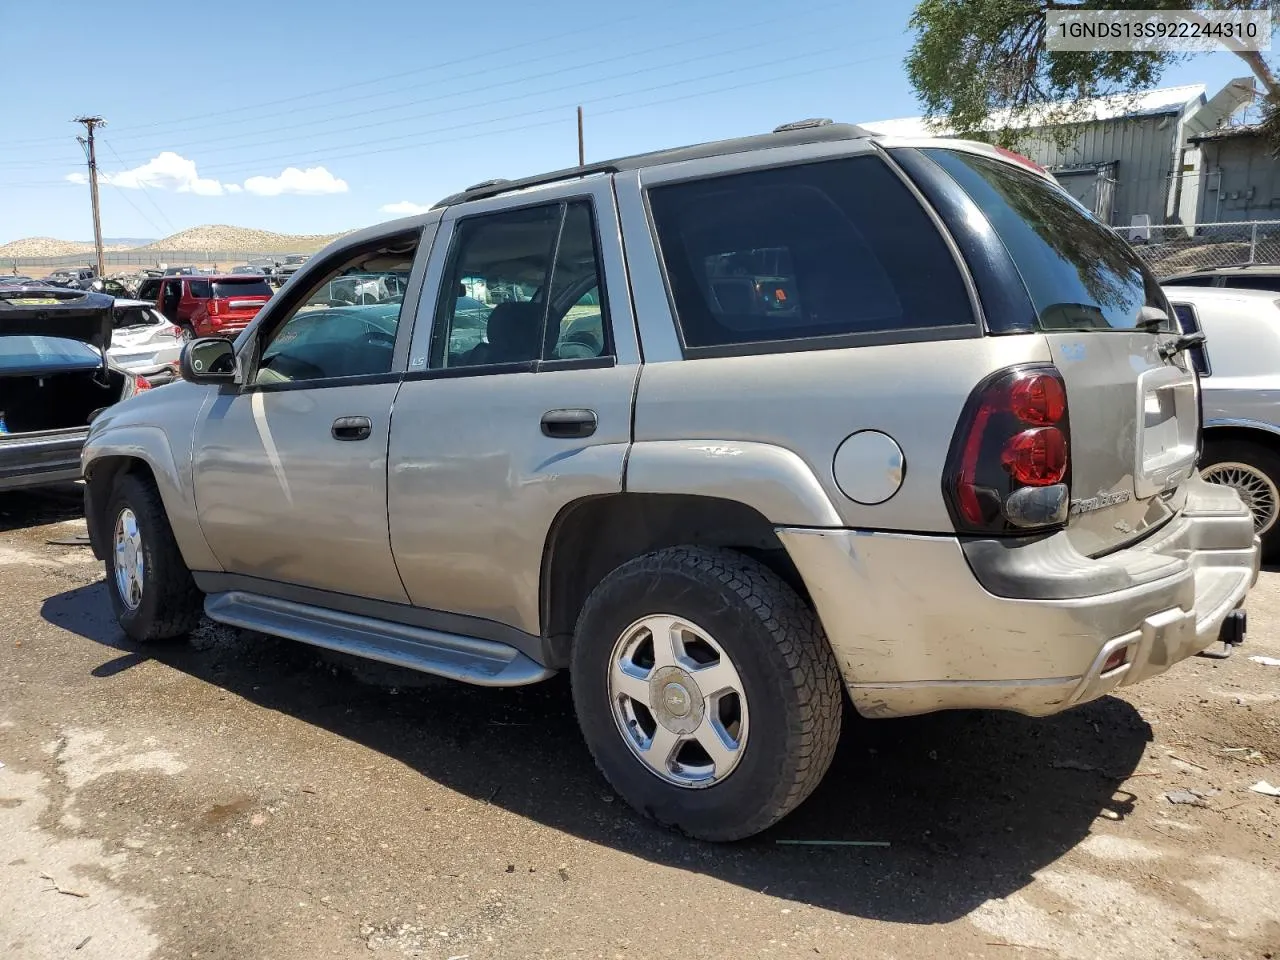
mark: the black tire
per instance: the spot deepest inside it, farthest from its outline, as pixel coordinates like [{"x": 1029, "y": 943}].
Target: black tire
[
  {"x": 1262, "y": 459},
  {"x": 788, "y": 673},
  {"x": 170, "y": 604}
]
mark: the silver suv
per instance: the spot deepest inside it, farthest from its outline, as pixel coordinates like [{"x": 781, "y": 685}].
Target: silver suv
[{"x": 727, "y": 432}]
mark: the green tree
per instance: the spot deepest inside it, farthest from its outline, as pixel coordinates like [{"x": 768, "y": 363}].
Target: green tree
[{"x": 974, "y": 59}]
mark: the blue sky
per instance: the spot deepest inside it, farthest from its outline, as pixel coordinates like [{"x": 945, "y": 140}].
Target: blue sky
[{"x": 325, "y": 116}]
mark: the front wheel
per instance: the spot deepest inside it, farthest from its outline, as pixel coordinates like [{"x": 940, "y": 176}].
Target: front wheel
[
  {"x": 152, "y": 592},
  {"x": 706, "y": 691},
  {"x": 1253, "y": 471}
]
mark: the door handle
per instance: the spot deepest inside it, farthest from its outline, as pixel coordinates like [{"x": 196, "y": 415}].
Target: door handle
[
  {"x": 569, "y": 424},
  {"x": 352, "y": 428}
]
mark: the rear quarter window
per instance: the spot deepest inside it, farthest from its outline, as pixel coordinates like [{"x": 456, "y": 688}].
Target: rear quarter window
[
  {"x": 1080, "y": 274},
  {"x": 200, "y": 289},
  {"x": 812, "y": 255}
]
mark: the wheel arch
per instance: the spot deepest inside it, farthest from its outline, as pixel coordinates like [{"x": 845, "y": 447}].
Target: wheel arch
[
  {"x": 144, "y": 450},
  {"x": 593, "y": 536},
  {"x": 1250, "y": 431}
]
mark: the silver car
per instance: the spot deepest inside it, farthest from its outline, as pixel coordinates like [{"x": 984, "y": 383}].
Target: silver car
[
  {"x": 1239, "y": 367},
  {"x": 726, "y": 432}
]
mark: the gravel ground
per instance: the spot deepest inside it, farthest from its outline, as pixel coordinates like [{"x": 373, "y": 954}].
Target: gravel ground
[{"x": 244, "y": 797}]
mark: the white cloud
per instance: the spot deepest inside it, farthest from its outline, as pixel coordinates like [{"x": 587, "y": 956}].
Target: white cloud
[
  {"x": 168, "y": 171},
  {"x": 174, "y": 172},
  {"x": 405, "y": 208},
  {"x": 311, "y": 182}
]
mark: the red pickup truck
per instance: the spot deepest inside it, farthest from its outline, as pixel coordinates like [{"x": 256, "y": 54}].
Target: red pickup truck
[{"x": 207, "y": 306}]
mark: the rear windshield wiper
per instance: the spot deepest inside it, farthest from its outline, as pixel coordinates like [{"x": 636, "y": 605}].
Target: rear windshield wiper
[{"x": 1185, "y": 341}]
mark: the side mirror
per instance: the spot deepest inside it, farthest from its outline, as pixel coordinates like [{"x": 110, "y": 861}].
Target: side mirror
[
  {"x": 462, "y": 289},
  {"x": 208, "y": 360}
]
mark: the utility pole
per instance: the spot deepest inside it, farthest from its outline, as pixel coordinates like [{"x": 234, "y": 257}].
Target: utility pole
[
  {"x": 581, "y": 155},
  {"x": 89, "y": 124}
]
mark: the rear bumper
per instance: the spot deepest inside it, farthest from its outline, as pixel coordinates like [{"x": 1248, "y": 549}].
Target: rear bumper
[
  {"x": 915, "y": 631},
  {"x": 36, "y": 459}
]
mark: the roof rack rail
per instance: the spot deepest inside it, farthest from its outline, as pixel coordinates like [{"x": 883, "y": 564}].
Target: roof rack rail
[{"x": 788, "y": 135}]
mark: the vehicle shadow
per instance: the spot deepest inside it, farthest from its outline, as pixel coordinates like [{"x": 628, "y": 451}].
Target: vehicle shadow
[
  {"x": 971, "y": 804},
  {"x": 40, "y": 505}
]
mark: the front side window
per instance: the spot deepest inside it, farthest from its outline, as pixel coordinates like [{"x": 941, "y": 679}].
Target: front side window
[
  {"x": 804, "y": 255},
  {"x": 522, "y": 286},
  {"x": 328, "y": 334}
]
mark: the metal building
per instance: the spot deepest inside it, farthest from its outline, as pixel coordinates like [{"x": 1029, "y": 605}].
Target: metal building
[
  {"x": 1127, "y": 157},
  {"x": 1238, "y": 177}
]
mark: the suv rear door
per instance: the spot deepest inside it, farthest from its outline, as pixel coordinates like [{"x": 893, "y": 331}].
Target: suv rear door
[
  {"x": 517, "y": 401},
  {"x": 1133, "y": 411}
]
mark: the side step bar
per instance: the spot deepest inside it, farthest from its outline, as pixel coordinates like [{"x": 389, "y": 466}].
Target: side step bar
[{"x": 471, "y": 660}]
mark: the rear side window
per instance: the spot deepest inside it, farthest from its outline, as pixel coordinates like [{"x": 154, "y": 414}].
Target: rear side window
[
  {"x": 804, "y": 256},
  {"x": 200, "y": 289},
  {"x": 1079, "y": 273},
  {"x": 1193, "y": 281},
  {"x": 240, "y": 288}
]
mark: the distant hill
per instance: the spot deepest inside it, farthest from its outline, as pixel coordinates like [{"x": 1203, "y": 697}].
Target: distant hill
[
  {"x": 219, "y": 236},
  {"x": 121, "y": 241},
  {"x": 210, "y": 237},
  {"x": 48, "y": 247}
]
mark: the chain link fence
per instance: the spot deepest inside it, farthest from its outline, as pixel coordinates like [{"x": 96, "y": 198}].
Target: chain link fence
[
  {"x": 124, "y": 260},
  {"x": 1172, "y": 249}
]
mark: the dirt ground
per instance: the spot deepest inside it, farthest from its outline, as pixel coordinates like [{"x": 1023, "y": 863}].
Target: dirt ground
[{"x": 247, "y": 798}]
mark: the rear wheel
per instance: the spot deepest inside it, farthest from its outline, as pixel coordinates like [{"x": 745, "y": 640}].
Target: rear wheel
[
  {"x": 706, "y": 691},
  {"x": 1253, "y": 471},
  {"x": 187, "y": 332},
  {"x": 152, "y": 592}
]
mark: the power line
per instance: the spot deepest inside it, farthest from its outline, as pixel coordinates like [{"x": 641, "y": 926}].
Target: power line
[
  {"x": 143, "y": 187},
  {"x": 316, "y": 124},
  {"x": 325, "y": 153},
  {"x": 470, "y": 58},
  {"x": 452, "y": 138}
]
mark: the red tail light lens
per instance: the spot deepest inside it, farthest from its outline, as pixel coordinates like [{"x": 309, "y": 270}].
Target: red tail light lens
[
  {"x": 1036, "y": 458},
  {"x": 1009, "y": 466},
  {"x": 215, "y": 307},
  {"x": 140, "y": 384}
]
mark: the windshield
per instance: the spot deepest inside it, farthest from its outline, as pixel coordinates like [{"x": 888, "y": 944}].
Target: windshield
[
  {"x": 28, "y": 353},
  {"x": 1079, "y": 273}
]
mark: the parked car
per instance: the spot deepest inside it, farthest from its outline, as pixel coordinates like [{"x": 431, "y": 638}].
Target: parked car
[
  {"x": 1256, "y": 276},
  {"x": 81, "y": 278},
  {"x": 1239, "y": 368},
  {"x": 145, "y": 342},
  {"x": 220, "y": 305},
  {"x": 958, "y": 471},
  {"x": 55, "y": 376},
  {"x": 247, "y": 270}
]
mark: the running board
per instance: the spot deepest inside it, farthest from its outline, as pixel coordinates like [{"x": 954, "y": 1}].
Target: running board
[{"x": 471, "y": 660}]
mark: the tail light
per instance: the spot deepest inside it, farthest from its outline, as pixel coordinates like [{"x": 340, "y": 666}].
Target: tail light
[
  {"x": 215, "y": 307},
  {"x": 1009, "y": 468},
  {"x": 1022, "y": 161},
  {"x": 141, "y": 383}
]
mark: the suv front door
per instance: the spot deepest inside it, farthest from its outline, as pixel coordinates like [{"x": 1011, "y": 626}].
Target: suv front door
[
  {"x": 517, "y": 401},
  {"x": 290, "y": 467}
]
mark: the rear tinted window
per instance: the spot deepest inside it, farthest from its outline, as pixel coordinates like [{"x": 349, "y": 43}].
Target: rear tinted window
[
  {"x": 1079, "y": 273},
  {"x": 249, "y": 287},
  {"x": 200, "y": 289},
  {"x": 827, "y": 249},
  {"x": 1253, "y": 282}
]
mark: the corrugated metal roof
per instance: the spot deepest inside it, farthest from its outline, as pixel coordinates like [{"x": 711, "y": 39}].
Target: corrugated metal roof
[{"x": 1165, "y": 100}]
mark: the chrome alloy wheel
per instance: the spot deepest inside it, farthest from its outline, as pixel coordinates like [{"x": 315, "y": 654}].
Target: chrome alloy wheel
[
  {"x": 129, "y": 564},
  {"x": 1256, "y": 489},
  {"x": 678, "y": 701}
]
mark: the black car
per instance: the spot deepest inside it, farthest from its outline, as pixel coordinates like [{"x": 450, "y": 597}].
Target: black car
[{"x": 55, "y": 376}]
